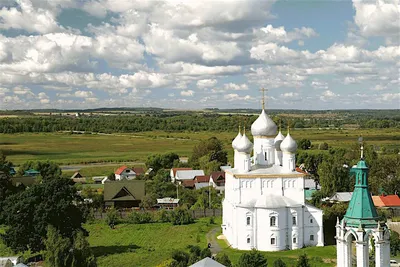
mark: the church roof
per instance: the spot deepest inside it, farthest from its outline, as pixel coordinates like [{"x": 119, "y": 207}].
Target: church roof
[
  {"x": 361, "y": 210},
  {"x": 207, "y": 262},
  {"x": 263, "y": 126},
  {"x": 259, "y": 171},
  {"x": 269, "y": 201}
]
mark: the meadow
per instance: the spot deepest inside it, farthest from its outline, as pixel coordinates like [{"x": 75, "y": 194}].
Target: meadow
[{"x": 66, "y": 148}]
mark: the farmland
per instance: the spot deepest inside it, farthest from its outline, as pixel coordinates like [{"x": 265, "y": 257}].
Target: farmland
[{"x": 66, "y": 148}]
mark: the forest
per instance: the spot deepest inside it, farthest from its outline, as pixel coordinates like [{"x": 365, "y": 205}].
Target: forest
[{"x": 215, "y": 120}]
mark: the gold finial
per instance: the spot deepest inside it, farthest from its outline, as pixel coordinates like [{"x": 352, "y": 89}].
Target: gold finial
[{"x": 263, "y": 90}]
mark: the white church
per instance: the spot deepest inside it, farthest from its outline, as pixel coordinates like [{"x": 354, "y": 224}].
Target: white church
[{"x": 264, "y": 206}]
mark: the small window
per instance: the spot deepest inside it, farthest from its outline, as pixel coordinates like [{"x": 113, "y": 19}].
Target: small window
[
  {"x": 294, "y": 220},
  {"x": 311, "y": 237},
  {"x": 248, "y": 220},
  {"x": 311, "y": 221},
  {"x": 248, "y": 240},
  {"x": 272, "y": 221},
  {"x": 273, "y": 241},
  {"x": 127, "y": 170},
  {"x": 265, "y": 156},
  {"x": 294, "y": 240}
]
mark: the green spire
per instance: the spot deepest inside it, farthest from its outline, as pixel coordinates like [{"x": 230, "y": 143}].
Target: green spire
[{"x": 361, "y": 210}]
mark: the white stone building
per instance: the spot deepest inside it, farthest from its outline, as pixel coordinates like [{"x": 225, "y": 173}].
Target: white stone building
[{"x": 264, "y": 206}]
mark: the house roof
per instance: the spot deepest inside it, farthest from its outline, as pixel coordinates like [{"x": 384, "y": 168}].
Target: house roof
[
  {"x": 298, "y": 169},
  {"x": 310, "y": 184},
  {"x": 342, "y": 196},
  {"x": 207, "y": 262},
  {"x": 202, "y": 179},
  {"x": 386, "y": 201},
  {"x": 124, "y": 190},
  {"x": 174, "y": 170},
  {"x": 120, "y": 170},
  {"x": 188, "y": 183},
  {"x": 188, "y": 174},
  {"x": 216, "y": 175},
  {"x": 76, "y": 175},
  {"x": 201, "y": 185},
  {"x": 138, "y": 170},
  {"x": 167, "y": 200}
]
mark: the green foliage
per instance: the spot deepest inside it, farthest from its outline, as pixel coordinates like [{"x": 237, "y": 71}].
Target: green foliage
[
  {"x": 323, "y": 146},
  {"x": 47, "y": 169},
  {"x": 279, "y": 263},
  {"x": 252, "y": 259},
  {"x": 140, "y": 217},
  {"x": 209, "y": 154},
  {"x": 223, "y": 259},
  {"x": 112, "y": 217},
  {"x": 180, "y": 259},
  {"x": 205, "y": 252},
  {"x": 394, "y": 243},
  {"x": 181, "y": 216},
  {"x": 162, "y": 216},
  {"x": 6, "y": 187},
  {"x": 165, "y": 161},
  {"x": 303, "y": 261},
  {"x": 28, "y": 213},
  {"x": 61, "y": 252},
  {"x": 304, "y": 144}
]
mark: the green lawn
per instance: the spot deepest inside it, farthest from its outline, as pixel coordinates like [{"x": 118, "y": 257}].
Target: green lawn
[
  {"x": 143, "y": 245},
  {"x": 65, "y": 148},
  {"x": 319, "y": 256}
]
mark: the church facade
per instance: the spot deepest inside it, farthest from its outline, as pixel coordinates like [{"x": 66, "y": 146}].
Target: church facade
[{"x": 264, "y": 206}]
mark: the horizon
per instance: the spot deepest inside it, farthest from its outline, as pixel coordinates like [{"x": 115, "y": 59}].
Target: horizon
[{"x": 71, "y": 54}]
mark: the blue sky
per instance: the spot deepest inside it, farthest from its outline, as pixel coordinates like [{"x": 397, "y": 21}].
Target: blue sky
[{"x": 198, "y": 54}]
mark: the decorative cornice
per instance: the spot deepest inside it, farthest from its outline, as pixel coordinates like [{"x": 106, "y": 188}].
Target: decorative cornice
[
  {"x": 264, "y": 136},
  {"x": 255, "y": 175}
]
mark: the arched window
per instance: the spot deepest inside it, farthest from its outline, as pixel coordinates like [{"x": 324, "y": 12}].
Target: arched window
[
  {"x": 248, "y": 220},
  {"x": 293, "y": 183},
  {"x": 272, "y": 221},
  {"x": 294, "y": 219}
]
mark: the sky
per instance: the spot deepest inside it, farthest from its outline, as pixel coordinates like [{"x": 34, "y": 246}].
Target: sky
[{"x": 192, "y": 54}]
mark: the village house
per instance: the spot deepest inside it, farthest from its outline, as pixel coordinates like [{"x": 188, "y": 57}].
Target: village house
[
  {"x": 124, "y": 173},
  {"x": 187, "y": 175},
  {"x": 76, "y": 175},
  {"x": 31, "y": 173},
  {"x": 390, "y": 203},
  {"x": 173, "y": 171},
  {"x": 124, "y": 194},
  {"x": 167, "y": 202},
  {"x": 217, "y": 180}
]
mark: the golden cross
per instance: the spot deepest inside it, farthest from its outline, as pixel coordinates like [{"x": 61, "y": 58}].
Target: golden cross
[{"x": 263, "y": 90}]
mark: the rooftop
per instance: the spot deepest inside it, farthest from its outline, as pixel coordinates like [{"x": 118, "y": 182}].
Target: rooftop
[
  {"x": 386, "y": 201},
  {"x": 272, "y": 170},
  {"x": 188, "y": 174}
]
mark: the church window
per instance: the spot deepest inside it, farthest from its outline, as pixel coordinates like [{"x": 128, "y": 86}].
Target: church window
[
  {"x": 273, "y": 240},
  {"x": 294, "y": 240},
  {"x": 294, "y": 220},
  {"x": 272, "y": 221},
  {"x": 248, "y": 240},
  {"x": 248, "y": 220},
  {"x": 311, "y": 221},
  {"x": 311, "y": 237},
  {"x": 293, "y": 184},
  {"x": 265, "y": 156}
]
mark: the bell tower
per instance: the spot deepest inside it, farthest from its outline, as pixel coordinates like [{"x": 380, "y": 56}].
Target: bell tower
[{"x": 362, "y": 224}]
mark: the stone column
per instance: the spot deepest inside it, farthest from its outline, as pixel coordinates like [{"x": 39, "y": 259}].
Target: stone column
[
  {"x": 362, "y": 254},
  {"x": 382, "y": 257}
]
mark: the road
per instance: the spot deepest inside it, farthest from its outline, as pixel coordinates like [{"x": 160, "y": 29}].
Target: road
[{"x": 215, "y": 247}]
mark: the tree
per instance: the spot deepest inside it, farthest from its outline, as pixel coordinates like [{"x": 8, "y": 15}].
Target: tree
[
  {"x": 28, "y": 214},
  {"x": 304, "y": 144},
  {"x": 112, "y": 217},
  {"x": 279, "y": 263},
  {"x": 334, "y": 176},
  {"x": 394, "y": 243},
  {"x": 47, "y": 169},
  {"x": 252, "y": 259},
  {"x": 82, "y": 253},
  {"x": 165, "y": 161},
  {"x": 180, "y": 259},
  {"x": 223, "y": 259},
  {"x": 205, "y": 252},
  {"x": 303, "y": 261},
  {"x": 212, "y": 150}
]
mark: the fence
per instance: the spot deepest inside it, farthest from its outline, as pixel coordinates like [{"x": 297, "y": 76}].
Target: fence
[{"x": 199, "y": 213}]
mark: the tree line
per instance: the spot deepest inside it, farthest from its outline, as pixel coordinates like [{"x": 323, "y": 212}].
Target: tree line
[{"x": 178, "y": 122}]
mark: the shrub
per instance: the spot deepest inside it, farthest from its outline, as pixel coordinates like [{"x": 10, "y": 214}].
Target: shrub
[
  {"x": 162, "y": 216},
  {"x": 139, "y": 217},
  {"x": 212, "y": 220},
  {"x": 279, "y": 263},
  {"x": 112, "y": 217},
  {"x": 323, "y": 146},
  {"x": 181, "y": 216},
  {"x": 252, "y": 259},
  {"x": 223, "y": 259}
]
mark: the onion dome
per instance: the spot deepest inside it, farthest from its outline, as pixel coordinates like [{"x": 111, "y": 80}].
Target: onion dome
[
  {"x": 278, "y": 140},
  {"x": 263, "y": 126},
  {"x": 288, "y": 144},
  {"x": 244, "y": 145},
  {"x": 236, "y": 140}
]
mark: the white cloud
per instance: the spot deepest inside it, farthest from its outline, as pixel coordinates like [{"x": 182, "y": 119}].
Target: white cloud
[
  {"x": 206, "y": 83},
  {"x": 83, "y": 94},
  {"x": 236, "y": 97},
  {"x": 187, "y": 93},
  {"x": 391, "y": 97},
  {"x": 319, "y": 85},
  {"x": 235, "y": 87},
  {"x": 270, "y": 34},
  {"x": 290, "y": 95},
  {"x": 21, "y": 90},
  {"x": 328, "y": 95}
]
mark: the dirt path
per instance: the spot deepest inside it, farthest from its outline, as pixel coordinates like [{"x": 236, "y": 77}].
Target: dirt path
[{"x": 215, "y": 247}]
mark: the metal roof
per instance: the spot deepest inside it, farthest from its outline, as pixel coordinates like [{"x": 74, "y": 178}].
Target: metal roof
[
  {"x": 207, "y": 262},
  {"x": 188, "y": 174}
]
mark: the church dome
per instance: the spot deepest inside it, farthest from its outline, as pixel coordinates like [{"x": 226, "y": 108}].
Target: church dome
[
  {"x": 244, "y": 145},
  {"x": 278, "y": 140},
  {"x": 236, "y": 140},
  {"x": 263, "y": 126},
  {"x": 289, "y": 144}
]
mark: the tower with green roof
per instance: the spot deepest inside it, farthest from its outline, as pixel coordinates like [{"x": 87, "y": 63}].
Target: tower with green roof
[{"x": 362, "y": 224}]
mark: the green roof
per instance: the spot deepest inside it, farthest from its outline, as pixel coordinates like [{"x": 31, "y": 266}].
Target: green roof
[
  {"x": 361, "y": 208},
  {"x": 124, "y": 190}
]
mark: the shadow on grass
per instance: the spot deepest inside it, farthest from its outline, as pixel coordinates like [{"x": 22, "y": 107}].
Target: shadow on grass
[{"x": 109, "y": 250}]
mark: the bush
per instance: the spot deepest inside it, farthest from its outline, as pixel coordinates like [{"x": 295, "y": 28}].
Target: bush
[
  {"x": 212, "y": 220},
  {"x": 162, "y": 216},
  {"x": 181, "y": 216},
  {"x": 112, "y": 217},
  {"x": 252, "y": 259},
  {"x": 223, "y": 259},
  {"x": 139, "y": 217},
  {"x": 279, "y": 263},
  {"x": 323, "y": 146}
]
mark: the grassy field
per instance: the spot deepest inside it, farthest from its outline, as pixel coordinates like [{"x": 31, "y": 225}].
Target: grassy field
[
  {"x": 143, "y": 245},
  {"x": 65, "y": 148}
]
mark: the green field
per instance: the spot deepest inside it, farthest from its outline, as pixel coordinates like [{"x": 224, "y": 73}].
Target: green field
[{"x": 65, "y": 148}]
